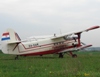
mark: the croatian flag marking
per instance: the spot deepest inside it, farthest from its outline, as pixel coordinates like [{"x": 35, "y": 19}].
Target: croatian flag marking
[{"x": 5, "y": 36}]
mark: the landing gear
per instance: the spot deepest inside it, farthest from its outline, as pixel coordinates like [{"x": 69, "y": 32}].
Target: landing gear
[
  {"x": 16, "y": 58},
  {"x": 73, "y": 55},
  {"x": 61, "y": 55}
]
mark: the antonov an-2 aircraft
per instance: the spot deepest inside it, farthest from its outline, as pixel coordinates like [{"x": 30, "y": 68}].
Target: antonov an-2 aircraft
[{"x": 56, "y": 44}]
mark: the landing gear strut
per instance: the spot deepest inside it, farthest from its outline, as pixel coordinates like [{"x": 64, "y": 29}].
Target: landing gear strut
[
  {"x": 60, "y": 55},
  {"x": 73, "y": 55},
  {"x": 16, "y": 58}
]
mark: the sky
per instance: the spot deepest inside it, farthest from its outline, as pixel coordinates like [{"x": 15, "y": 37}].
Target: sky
[{"x": 46, "y": 17}]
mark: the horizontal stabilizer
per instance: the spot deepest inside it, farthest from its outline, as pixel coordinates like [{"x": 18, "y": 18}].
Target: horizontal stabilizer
[{"x": 14, "y": 42}]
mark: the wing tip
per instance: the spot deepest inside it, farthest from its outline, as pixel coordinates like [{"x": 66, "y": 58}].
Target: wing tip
[{"x": 94, "y": 27}]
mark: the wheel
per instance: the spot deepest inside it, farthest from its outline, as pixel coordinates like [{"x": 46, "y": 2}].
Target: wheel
[
  {"x": 60, "y": 55},
  {"x": 74, "y": 55}
]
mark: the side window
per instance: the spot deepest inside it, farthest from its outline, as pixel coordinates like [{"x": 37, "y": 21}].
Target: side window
[
  {"x": 58, "y": 43},
  {"x": 30, "y": 46}
]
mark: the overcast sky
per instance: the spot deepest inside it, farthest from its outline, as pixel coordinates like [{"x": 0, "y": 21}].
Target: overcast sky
[{"x": 46, "y": 17}]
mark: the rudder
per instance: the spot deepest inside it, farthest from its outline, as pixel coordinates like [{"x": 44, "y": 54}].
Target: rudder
[{"x": 10, "y": 36}]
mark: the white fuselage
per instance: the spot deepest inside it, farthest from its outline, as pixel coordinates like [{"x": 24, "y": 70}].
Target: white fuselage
[{"x": 40, "y": 47}]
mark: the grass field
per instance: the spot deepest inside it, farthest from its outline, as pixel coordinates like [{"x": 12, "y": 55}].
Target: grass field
[{"x": 87, "y": 64}]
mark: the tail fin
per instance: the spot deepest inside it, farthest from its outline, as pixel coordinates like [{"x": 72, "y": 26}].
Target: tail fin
[
  {"x": 9, "y": 40},
  {"x": 10, "y": 37}
]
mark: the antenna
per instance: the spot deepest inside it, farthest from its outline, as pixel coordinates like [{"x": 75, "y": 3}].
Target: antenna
[{"x": 60, "y": 31}]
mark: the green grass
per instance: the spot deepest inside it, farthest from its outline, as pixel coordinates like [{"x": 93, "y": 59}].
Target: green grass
[{"x": 87, "y": 64}]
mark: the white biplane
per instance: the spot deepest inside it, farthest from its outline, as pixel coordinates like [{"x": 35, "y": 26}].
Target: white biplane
[{"x": 55, "y": 44}]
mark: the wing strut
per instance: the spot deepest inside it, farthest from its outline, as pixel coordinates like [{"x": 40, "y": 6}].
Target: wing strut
[
  {"x": 79, "y": 36},
  {"x": 16, "y": 46}
]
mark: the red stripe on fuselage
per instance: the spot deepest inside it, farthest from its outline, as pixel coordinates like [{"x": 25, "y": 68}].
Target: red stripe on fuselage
[
  {"x": 45, "y": 52},
  {"x": 67, "y": 42},
  {"x": 32, "y": 48},
  {"x": 42, "y": 47},
  {"x": 39, "y": 47},
  {"x": 40, "y": 53}
]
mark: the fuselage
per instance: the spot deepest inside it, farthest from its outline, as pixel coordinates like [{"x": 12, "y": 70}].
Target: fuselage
[{"x": 41, "y": 47}]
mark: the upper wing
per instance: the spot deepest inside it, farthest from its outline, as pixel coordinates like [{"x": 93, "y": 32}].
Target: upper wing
[{"x": 75, "y": 33}]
